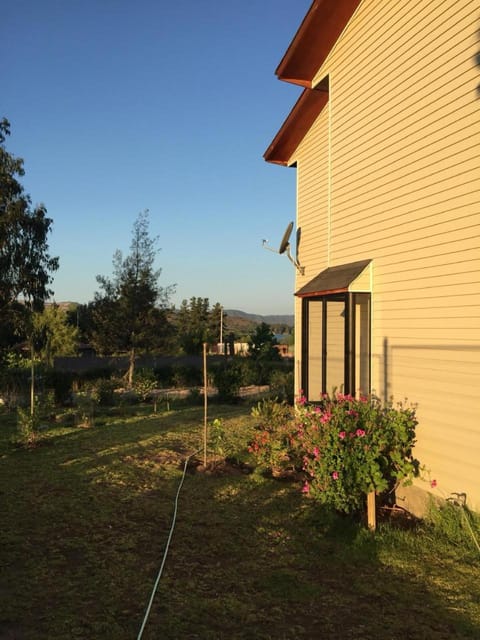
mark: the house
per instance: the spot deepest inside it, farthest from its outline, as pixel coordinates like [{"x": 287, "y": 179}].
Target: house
[{"x": 385, "y": 140}]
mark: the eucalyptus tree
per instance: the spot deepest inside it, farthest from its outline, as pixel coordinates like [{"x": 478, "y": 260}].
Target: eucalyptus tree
[
  {"x": 26, "y": 266},
  {"x": 25, "y": 263}
]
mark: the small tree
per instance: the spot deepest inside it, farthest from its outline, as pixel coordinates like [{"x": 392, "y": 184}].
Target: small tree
[
  {"x": 56, "y": 336},
  {"x": 130, "y": 311},
  {"x": 197, "y": 323},
  {"x": 263, "y": 343},
  {"x": 263, "y": 353}
]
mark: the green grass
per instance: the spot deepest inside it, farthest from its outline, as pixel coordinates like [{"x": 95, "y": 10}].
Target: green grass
[{"x": 85, "y": 518}]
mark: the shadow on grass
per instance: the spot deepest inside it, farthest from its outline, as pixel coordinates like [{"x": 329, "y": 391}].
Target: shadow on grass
[
  {"x": 279, "y": 567},
  {"x": 87, "y": 516}
]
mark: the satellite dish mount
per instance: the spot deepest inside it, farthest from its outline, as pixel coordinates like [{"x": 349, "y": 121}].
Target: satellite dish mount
[{"x": 285, "y": 248}]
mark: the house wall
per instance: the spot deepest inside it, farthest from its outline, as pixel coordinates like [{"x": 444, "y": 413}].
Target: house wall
[
  {"x": 313, "y": 192},
  {"x": 390, "y": 171}
]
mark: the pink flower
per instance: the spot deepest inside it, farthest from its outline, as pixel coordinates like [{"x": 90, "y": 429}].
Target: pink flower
[
  {"x": 306, "y": 487},
  {"x": 326, "y": 417},
  {"x": 335, "y": 475},
  {"x": 342, "y": 435},
  {"x": 316, "y": 452},
  {"x": 360, "y": 433},
  {"x": 433, "y": 484},
  {"x": 301, "y": 400},
  {"x": 341, "y": 397}
]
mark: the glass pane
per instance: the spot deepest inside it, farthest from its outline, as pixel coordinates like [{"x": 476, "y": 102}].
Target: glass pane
[
  {"x": 335, "y": 345},
  {"x": 314, "y": 350},
  {"x": 362, "y": 344}
]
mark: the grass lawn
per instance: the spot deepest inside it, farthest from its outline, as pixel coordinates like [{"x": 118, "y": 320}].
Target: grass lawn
[{"x": 86, "y": 514}]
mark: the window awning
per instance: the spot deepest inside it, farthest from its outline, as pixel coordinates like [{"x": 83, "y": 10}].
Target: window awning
[{"x": 354, "y": 276}]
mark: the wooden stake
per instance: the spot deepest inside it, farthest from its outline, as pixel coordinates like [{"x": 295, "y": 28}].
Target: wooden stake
[
  {"x": 371, "y": 516},
  {"x": 205, "y": 404}
]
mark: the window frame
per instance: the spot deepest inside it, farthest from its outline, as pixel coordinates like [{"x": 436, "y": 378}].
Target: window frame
[{"x": 350, "y": 300}]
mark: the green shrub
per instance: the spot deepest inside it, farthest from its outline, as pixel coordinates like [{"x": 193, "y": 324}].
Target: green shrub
[
  {"x": 14, "y": 384},
  {"x": 61, "y": 382},
  {"x": 85, "y": 403},
  {"x": 282, "y": 385},
  {"x": 144, "y": 383},
  {"x": 227, "y": 378},
  {"x": 277, "y": 373},
  {"x": 343, "y": 448},
  {"x": 27, "y": 427},
  {"x": 272, "y": 413},
  {"x": 260, "y": 370},
  {"x": 186, "y": 376},
  {"x": 217, "y": 437},
  {"x": 164, "y": 376},
  {"x": 103, "y": 392}
]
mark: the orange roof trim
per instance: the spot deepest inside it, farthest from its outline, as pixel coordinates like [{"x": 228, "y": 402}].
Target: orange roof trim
[
  {"x": 298, "y": 122},
  {"x": 320, "y": 29}
]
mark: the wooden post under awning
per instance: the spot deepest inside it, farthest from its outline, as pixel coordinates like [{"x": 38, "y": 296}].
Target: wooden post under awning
[{"x": 371, "y": 515}]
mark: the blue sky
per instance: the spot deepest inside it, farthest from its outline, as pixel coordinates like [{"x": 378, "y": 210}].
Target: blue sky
[{"x": 119, "y": 106}]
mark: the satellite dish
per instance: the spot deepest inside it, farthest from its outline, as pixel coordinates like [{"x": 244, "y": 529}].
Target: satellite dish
[
  {"x": 285, "y": 247},
  {"x": 286, "y": 238}
]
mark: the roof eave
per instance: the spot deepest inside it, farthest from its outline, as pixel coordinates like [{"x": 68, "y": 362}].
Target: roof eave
[
  {"x": 320, "y": 29},
  {"x": 298, "y": 122}
]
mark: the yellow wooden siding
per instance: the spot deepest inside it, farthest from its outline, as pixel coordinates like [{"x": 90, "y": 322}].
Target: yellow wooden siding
[
  {"x": 363, "y": 282},
  {"x": 403, "y": 188},
  {"x": 312, "y": 201}
]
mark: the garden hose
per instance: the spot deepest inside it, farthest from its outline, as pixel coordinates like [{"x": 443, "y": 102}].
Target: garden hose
[{"x": 155, "y": 586}]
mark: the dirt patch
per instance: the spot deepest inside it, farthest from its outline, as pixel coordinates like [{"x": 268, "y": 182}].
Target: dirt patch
[
  {"x": 397, "y": 517},
  {"x": 10, "y": 631},
  {"x": 219, "y": 467}
]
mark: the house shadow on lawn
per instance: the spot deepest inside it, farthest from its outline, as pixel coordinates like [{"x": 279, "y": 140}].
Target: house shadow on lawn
[
  {"x": 85, "y": 532},
  {"x": 277, "y": 566}
]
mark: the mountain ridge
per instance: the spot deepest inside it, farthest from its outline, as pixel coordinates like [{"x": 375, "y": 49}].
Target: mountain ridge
[
  {"x": 268, "y": 319},
  {"x": 287, "y": 319}
]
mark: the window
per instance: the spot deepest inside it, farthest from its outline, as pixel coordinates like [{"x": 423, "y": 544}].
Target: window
[{"x": 336, "y": 344}]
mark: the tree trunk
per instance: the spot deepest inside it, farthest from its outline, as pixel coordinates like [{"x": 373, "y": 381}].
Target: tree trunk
[{"x": 32, "y": 379}]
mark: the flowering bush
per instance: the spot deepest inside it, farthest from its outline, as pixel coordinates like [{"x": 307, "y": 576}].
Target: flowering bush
[{"x": 342, "y": 448}]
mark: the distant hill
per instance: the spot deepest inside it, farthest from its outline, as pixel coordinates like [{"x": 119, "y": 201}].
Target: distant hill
[
  {"x": 236, "y": 320},
  {"x": 257, "y": 319},
  {"x": 64, "y": 306}
]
